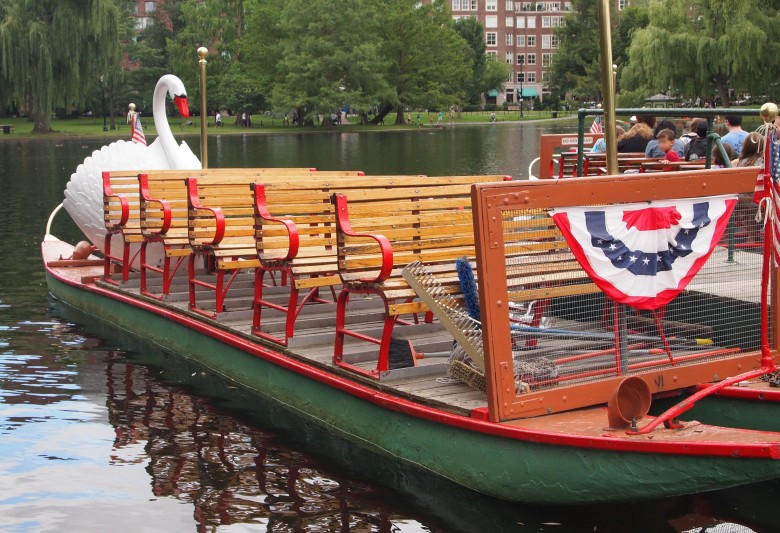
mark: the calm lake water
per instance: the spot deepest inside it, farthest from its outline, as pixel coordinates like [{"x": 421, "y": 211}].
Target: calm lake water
[{"x": 101, "y": 432}]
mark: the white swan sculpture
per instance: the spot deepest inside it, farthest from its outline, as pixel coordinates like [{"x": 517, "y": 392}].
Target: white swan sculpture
[{"x": 84, "y": 192}]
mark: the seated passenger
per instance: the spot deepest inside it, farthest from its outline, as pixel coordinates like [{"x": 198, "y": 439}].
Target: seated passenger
[
  {"x": 653, "y": 150},
  {"x": 697, "y": 148},
  {"x": 600, "y": 146},
  {"x": 636, "y": 139}
]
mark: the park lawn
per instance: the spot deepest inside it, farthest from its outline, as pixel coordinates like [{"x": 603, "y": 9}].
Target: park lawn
[{"x": 93, "y": 126}]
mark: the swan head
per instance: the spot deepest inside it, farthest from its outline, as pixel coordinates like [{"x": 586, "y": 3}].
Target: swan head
[
  {"x": 181, "y": 104},
  {"x": 175, "y": 89}
]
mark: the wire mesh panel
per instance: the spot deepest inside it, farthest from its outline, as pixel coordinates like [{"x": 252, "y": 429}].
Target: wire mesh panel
[{"x": 571, "y": 327}]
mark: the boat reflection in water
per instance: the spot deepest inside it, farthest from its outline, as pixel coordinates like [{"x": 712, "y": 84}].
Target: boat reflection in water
[{"x": 240, "y": 460}]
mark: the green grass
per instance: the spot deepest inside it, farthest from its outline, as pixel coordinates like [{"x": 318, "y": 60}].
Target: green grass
[{"x": 93, "y": 127}]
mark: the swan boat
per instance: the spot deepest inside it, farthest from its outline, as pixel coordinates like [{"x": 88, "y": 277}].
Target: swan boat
[{"x": 543, "y": 399}]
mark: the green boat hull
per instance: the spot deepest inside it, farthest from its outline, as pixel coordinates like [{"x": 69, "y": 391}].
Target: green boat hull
[
  {"x": 508, "y": 468},
  {"x": 758, "y": 414}
]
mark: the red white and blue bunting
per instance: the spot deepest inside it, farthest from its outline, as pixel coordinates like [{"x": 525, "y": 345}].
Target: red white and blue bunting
[{"x": 644, "y": 254}]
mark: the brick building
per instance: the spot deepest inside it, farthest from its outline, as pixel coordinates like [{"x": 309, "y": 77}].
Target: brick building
[{"x": 521, "y": 33}]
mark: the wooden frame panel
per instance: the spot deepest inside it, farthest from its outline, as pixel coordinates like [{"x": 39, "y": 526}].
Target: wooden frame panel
[{"x": 490, "y": 200}]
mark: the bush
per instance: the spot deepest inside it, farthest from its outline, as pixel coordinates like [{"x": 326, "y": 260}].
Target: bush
[{"x": 470, "y": 108}]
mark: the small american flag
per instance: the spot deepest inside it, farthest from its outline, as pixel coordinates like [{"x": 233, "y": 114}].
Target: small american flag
[
  {"x": 596, "y": 126},
  {"x": 138, "y": 131},
  {"x": 771, "y": 198}
]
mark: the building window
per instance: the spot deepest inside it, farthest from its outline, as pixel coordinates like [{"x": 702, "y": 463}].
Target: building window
[
  {"x": 531, "y": 21},
  {"x": 520, "y": 77},
  {"x": 456, "y": 5},
  {"x": 490, "y": 38},
  {"x": 491, "y": 5},
  {"x": 150, "y": 7},
  {"x": 531, "y": 40},
  {"x": 509, "y": 58},
  {"x": 509, "y": 22},
  {"x": 531, "y": 78},
  {"x": 491, "y": 21},
  {"x": 520, "y": 41},
  {"x": 509, "y": 5},
  {"x": 521, "y": 22},
  {"x": 546, "y": 60},
  {"x": 554, "y": 41},
  {"x": 546, "y": 42},
  {"x": 531, "y": 59},
  {"x": 545, "y": 22},
  {"x": 491, "y": 54},
  {"x": 509, "y": 37},
  {"x": 567, "y": 6},
  {"x": 473, "y": 4},
  {"x": 520, "y": 59},
  {"x": 621, "y": 5},
  {"x": 526, "y": 6},
  {"x": 545, "y": 77}
]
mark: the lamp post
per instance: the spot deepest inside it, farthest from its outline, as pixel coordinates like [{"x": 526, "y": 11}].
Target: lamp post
[
  {"x": 103, "y": 96},
  {"x": 522, "y": 78}
]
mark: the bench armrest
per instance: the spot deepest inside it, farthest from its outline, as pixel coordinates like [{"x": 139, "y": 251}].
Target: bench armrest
[
  {"x": 201, "y": 211},
  {"x": 109, "y": 196},
  {"x": 343, "y": 225},
  {"x": 261, "y": 209},
  {"x": 165, "y": 207}
]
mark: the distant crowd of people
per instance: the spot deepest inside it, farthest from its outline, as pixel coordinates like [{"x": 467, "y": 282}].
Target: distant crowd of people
[{"x": 660, "y": 140}]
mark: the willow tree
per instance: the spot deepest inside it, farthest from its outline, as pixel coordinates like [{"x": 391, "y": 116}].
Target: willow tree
[
  {"x": 705, "y": 47},
  {"x": 50, "y": 49}
]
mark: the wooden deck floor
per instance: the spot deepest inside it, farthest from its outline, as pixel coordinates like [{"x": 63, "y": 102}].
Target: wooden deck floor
[
  {"x": 314, "y": 338},
  {"x": 739, "y": 279},
  {"x": 428, "y": 381}
]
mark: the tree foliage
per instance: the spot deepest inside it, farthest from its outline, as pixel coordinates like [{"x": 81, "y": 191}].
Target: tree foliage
[
  {"x": 50, "y": 51},
  {"x": 486, "y": 74},
  {"x": 575, "y": 66},
  {"x": 706, "y": 47},
  {"x": 429, "y": 63}
]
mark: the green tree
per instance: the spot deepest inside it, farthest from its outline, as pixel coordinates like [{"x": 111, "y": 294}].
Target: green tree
[
  {"x": 707, "y": 47},
  {"x": 329, "y": 57},
  {"x": 486, "y": 74},
  {"x": 51, "y": 49},
  {"x": 429, "y": 63},
  {"x": 470, "y": 29},
  {"x": 575, "y": 66}
]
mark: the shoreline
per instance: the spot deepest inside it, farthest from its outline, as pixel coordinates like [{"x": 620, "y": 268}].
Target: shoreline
[{"x": 72, "y": 127}]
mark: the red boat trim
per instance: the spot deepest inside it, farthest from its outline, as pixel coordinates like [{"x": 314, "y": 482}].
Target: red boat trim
[
  {"x": 746, "y": 393},
  {"x": 394, "y": 403}
]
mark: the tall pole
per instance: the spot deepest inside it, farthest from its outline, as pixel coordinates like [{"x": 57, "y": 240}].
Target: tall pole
[
  {"x": 522, "y": 79},
  {"x": 608, "y": 86},
  {"x": 103, "y": 96},
  {"x": 204, "y": 116}
]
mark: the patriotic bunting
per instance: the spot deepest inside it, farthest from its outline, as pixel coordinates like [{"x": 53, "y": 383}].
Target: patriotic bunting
[{"x": 643, "y": 255}]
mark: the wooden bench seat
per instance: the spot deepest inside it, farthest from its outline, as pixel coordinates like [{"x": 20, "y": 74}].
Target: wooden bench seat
[
  {"x": 295, "y": 226},
  {"x": 121, "y": 215},
  {"x": 165, "y": 210},
  {"x": 123, "y": 210},
  {"x": 221, "y": 227},
  {"x": 379, "y": 234}
]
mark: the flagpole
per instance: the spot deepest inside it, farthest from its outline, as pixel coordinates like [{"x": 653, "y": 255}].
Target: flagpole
[
  {"x": 768, "y": 114},
  {"x": 204, "y": 115},
  {"x": 608, "y": 87}
]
